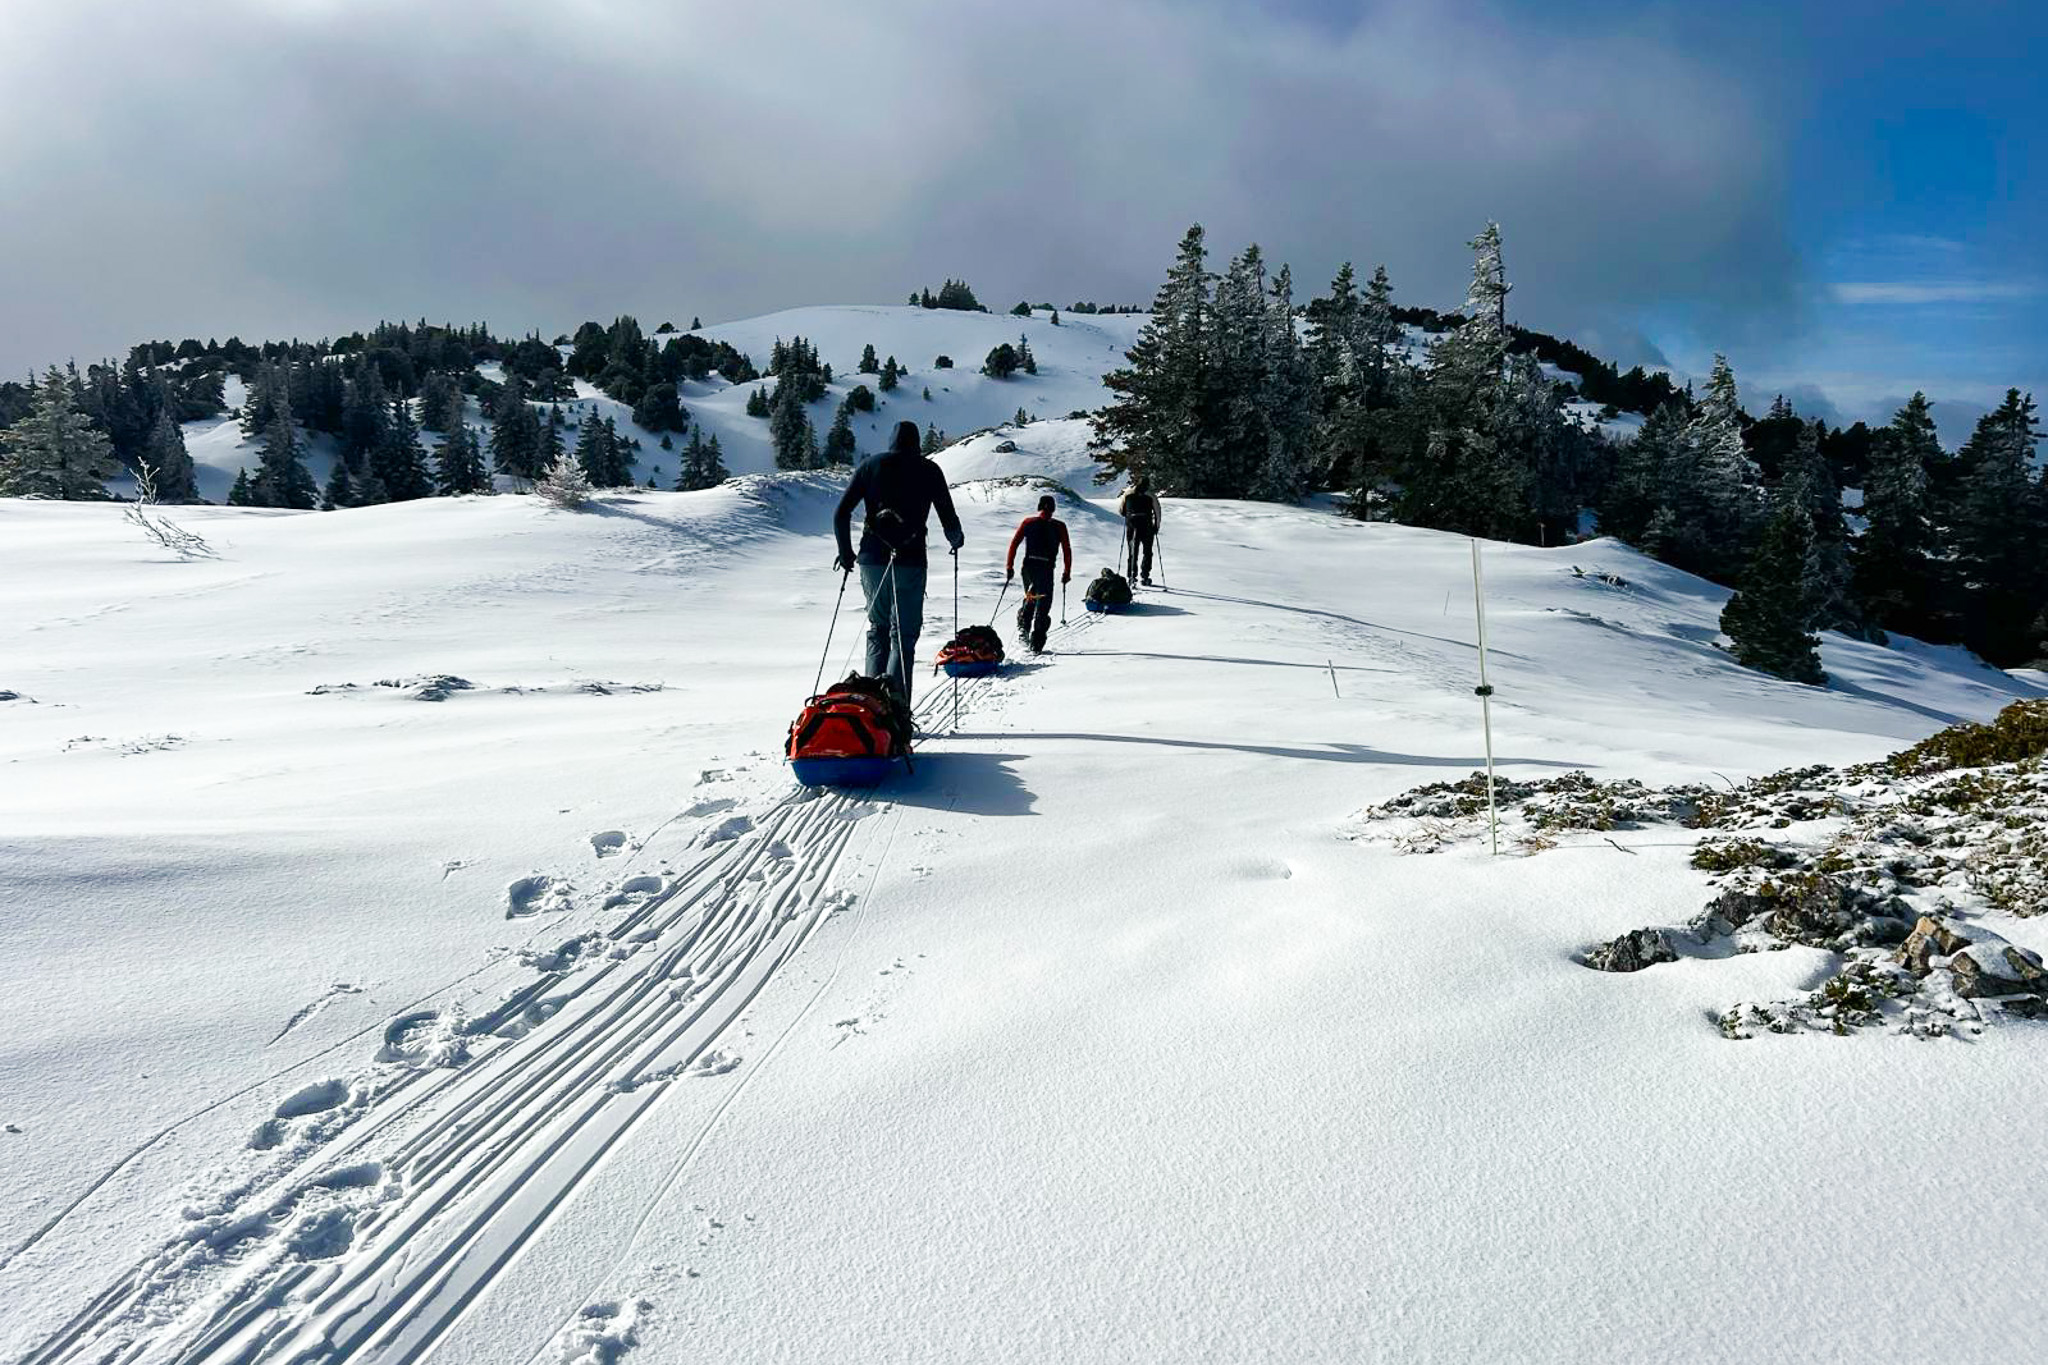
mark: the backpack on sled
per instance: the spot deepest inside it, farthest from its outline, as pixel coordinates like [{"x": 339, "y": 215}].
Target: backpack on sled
[
  {"x": 1110, "y": 591},
  {"x": 975, "y": 652},
  {"x": 849, "y": 735}
]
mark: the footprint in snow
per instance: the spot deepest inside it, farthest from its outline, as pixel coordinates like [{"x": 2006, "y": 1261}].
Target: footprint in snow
[
  {"x": 535, "y": 894},
  {"x": 317, "y": 1098},
  {"x": 608, "y": 842},
  {"x": 712, "y": 806},
  {"x": 729, "y": 829}
]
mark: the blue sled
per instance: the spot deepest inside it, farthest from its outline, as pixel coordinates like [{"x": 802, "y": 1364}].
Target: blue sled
[
  {"x": 971, "y": 668},
  {"x": 1100, "y": 609},
  {"x": 841, "y": 772}
]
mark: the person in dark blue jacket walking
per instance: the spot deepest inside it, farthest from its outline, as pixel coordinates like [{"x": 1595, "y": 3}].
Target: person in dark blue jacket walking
[{"x": 901, "y": 486}]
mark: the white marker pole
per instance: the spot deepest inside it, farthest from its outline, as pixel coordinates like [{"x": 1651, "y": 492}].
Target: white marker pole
[{"x": 1485, "y": 691}]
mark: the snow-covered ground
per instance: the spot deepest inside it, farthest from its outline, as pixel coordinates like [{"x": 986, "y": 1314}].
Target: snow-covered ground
[
  {"x": 1072, "y": 357},
  {"x": 548, "y": 1021}
]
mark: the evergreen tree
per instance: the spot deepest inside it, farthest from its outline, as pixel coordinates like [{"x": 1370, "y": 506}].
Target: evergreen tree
[
  {"x": 1807, "y": 480},
  {"x": 549, "y": 447},
  {"x": 169, "y": 462},
  {"x": 564, "y": 483},
  {"x": 1024, "y": 356},
  {"x": 839, "y": 443},
  {"x": 1641, "y": 487},
  {"x": 340, "y": 491},
  {"x": 516, "y": 433},
  {"x": 365, "y": 416},
  {"x": 242, "y": 494},
  {"x": 593, "y": 453},
  {"x": 1997, "y": 527},
  {"x": 1162, "y": 420},
  {"x": 891, "y": 372},
  {"x": 1895, "y": 566},
  {"x": 659, "y": 410},
  {"x": 1769, "y": 620},
  {"x": 459, "y": 463},
  {"x": 1289, "y": 397},
  {"x": 787, "y": 426},
  {"x": 281, "y": 477},
  {"x": 398, "y": 462},
  {"x": 934, "y": 440},
  {"x": 868, "y": 363},
  {"x": 55, "y": 451},
  {"x": 757, "y": 401},
  {"x": 1723, "y": 495},
  {"x": 438, "y": 399},
  {"x": 1002, "y": 362}
]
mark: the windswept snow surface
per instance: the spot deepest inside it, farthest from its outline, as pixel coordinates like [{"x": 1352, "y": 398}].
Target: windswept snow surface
[{"x": 417, "y": 947}]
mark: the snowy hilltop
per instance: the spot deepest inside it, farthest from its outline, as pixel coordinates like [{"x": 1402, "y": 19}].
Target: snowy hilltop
[{"x": 421, "y": 950}]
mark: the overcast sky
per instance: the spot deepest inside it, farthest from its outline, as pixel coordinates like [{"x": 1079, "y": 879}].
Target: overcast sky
[{"x": 1847, "y": 205}]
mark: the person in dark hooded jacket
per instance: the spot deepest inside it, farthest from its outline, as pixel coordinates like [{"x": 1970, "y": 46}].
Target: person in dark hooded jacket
[
  {"x": 1139, "y": 507},
  {"x": 900, "y": 488}
]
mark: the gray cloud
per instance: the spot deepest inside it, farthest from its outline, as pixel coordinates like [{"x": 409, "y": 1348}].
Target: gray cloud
[{"x": 282, "y": 167}]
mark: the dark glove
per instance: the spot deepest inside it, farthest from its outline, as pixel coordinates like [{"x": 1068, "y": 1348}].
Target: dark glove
[
  {"x": 843, "y": 562},
  {"x": 956, "y": 539},
  {"x": 1067, "y": 577}
]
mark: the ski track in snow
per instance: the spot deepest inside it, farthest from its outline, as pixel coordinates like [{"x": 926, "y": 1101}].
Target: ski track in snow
[{"x": 393, "y": 1198}]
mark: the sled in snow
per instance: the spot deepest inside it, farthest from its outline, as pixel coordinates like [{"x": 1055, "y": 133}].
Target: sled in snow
[
  {"x": 976, "y": 652},
  {"x": 1110, "y": 592},
  {"x": 850, "y": 735}
]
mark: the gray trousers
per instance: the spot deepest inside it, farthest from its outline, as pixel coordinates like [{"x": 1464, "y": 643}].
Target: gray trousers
[{"x": 890, "y": 654}]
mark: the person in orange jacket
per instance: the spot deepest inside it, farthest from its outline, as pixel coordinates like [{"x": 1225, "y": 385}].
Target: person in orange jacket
[{"x": 1044, "y": 537}]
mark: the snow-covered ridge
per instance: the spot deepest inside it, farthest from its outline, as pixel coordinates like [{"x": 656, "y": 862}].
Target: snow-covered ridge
[{"x": 544, "y": 1010}]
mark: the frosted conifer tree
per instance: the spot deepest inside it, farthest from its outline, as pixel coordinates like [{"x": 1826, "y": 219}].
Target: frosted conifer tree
[
  {"x": 563, "y": 484},
  {"x": 55, "y": 451}
]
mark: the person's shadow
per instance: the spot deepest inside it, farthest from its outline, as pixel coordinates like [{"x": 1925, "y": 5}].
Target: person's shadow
[{"x": 973, "y": 783}]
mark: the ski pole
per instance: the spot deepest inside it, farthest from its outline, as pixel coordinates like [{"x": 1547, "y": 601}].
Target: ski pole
[
  {"x": 819, "y": 680},
  {"x": 1063, "y": 601},
  {"x": 1159, "y": 548},
  {"x": 999, "y": 602},
  {"x": 956, "y": 632}
]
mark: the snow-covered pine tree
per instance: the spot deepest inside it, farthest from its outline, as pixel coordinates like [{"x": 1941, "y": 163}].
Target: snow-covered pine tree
[
  {"x": 281, "y": 477},
  {"x": 398, "y": 462},
  {"x": 1162, "y": 420},
  {"x": 934, "y": 440},
  {"x": 1725, "y": 493},
  {"x": 564, "y": 484},
  {"x": 55, "y": 451},
  {"x": 1028, "y": 361},
  {"x": 868, "y": 363},
  {"x": 164, "y": 451},
  {"x": 459, "y": 463},
  {"x": 1769, "y": 621},
  {"x": 1289, "y": 399},
  {"x": 1894, "y": 557},
  {"x": 1379, "y": 330},
  {"x": 1335, "y": 340}
]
